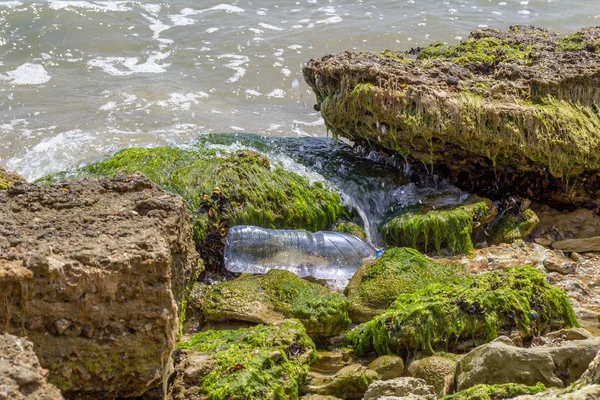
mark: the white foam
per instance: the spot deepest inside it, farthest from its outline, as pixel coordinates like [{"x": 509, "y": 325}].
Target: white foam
[
  {"x": 251, "y": 92},
  {"x": 277, "y": 93},
  {"x": 286, "y": 71},
  {"x": 27, "y": 74},
  {"x": 98, "y": 5},
  {"x": 211, "y": 30},
  {"x": 270, "y": 27},
  {"x": 235, "y": 64},
  {"x": 330, "y": 20},
  {"x": 10, "y": 4},
  {"x": 180, "y": 101},
  {"x": 219, "y": 7},
  {"x": 123, "y": 66}
]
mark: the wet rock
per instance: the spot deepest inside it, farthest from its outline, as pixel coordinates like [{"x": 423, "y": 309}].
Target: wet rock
[
  {"x": 401, "y": 387},
  {"x": 7, "y": 179},
  {"x": 562, "y": 267},
  {"x": 330, "y": 362},
  {"x": 500, "y": 361},
  {"x": 376, "y": 285},
  {"x": 248, "y": 363},
  {"x": 578, "y": 245},
  {"x": 458, "y": 316},
  {"x": 436, "y": 371},
  {"x": 489, "y": 113},
  {"x": 388, "y": 366},
  {"x": 21, "y": 376},
  {"x": 559, "y": 225},
  {"x": 274, "y": 297},
  {"x": 85, "y": 268},
  {"x": 510, "y": 227},
  {"x": 351, "y": 382}
]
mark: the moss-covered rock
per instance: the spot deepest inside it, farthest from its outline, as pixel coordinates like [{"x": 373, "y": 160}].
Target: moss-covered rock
[
  {"x": 352, "y": 229},
  {"x": 502, "y": 112},
  {"x": 510, "y": 227},
  {"x": 263, "y": 362},
  {"x": 428, "y": 229},
  {"x": 226, "y": 190},
  {"x": 8, "y": 178},
  {"x": 494, "y": 392},
  {"x": 351, "y": 382},
  {"x": 457, "y": 316},
  {"x": 376, "y": 285},
  {"x": 388, "y": 366},
  {"x": 276, "y": 296}
]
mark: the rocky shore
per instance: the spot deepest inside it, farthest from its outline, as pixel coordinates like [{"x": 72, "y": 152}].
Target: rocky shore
[{"x": 112, "y": 282}]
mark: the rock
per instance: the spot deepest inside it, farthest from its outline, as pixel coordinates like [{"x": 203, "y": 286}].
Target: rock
[
  {"x": 436, "y": 371},
  {"x": 489, "y": 113},
  {"x": 376, "y": 285},
  {"x": 502, "y": 391},
  {"x": 388, "y": 366},
  {"x": 226, "y": 190},
  {"x": 450, "y": 227},
  {"x": 330, "y": 362},
  {"x": 7, "y": 179},
  {"x": 510, "y": 227},
  {"x": 578, "y": 245},
  {"x": 21, "y": 376},
  {"x": 570, "y": 334},
  {"x": 559, "y": 225},
  {"x": 318, "y": 397},
  {"x": 458, "y": 316},
  {"x": 562, "y": 267},
  {"x": 93, "y": 273},
  {"x": 351, "y": 382},
  {"x": 501, "y": 362},
  {"x": 401, "y": 387},
  {"x": 248, "y": 363},
  {"x": 274, "y": 297}
]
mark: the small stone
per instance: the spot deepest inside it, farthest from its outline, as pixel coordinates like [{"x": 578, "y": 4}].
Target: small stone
[
  {"x": 570, "y": 334},
  {"x": 575, "y": 256},
  {"x": 62, "y": 325},
  {"x": 543, "y": 241},
  {"x": 565, "y": 267},
  {"x": 88, "y": 331}
]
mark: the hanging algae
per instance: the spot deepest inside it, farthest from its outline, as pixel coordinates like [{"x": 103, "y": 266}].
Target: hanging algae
[
  {"x": 449, "y": 316},
  {"x": 445, "y": 228}
]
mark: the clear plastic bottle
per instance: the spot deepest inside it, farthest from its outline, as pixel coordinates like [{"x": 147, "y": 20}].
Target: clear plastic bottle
[{"x": 322, "y": 255}]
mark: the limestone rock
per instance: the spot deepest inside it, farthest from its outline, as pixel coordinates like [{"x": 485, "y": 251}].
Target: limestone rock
[
  {"x": 274, "y": 297},
  {"x": 578, "y": 245},
  {"x": 21, "y": 376},
  {"x": 388, "y": 366},
  {"x": 489, "y": 113},
  {"x": 559, "y": 225},
  {"x": 401, "y": 387},
  {"x": 330, "y": 362},
  {"x": 7, "y": 179},
  {"x": 268, "y": 362},
  {"x": 351, "y": 382},
  {"x": 501, "y": 362},
  {"x": 93, "y": 273},
  {"x": 570, "y": 334},
  {"x": 436, "y": 371}
]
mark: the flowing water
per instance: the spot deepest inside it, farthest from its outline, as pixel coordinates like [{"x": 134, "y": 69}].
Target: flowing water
[{"x": 82, "y": 79}]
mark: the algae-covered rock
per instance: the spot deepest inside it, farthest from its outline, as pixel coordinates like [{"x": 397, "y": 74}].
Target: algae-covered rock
[
  {"x": 449, "y": 316},
  {"x": 388, "y": 366},
  {"x": 276, "y": 296},
  {"x": 376, "y": 285},
  {"x": 7, "y": 179},
  {"x": 263, "y": 362},
  {"x": 351, "y": 382},
  {"x": 426, "y": 230},
  {"x": 351, "y": 228},
  {"x": 492, "y": 392},
  {"x": 436, "y": 371},
  {"x": 243, "y": 188},
  {"x": 510, "y": 227},
  {"x": 502, "y": 112}
]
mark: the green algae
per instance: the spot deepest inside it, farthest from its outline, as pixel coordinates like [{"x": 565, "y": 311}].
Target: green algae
[
  {"x": 444, "y": 317},
  {"x": 484, "y": 51},
  {"x": 578, "y": 42},
  {"x": 224, "y": 190},
  {"x": 445, "y": 228},
  {"x": 496, "y": 392},
  {"x": 263, "y": 362},
  {"x": 376, "y": 285},
  {"x": 258, "y": 298},
  {"x": 352, "y": 229}
]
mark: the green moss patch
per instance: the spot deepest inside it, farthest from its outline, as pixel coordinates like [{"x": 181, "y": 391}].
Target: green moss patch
[
  {"x": 444, "y": 228},
  {"x": 275, "y": 296},
  {"x": 448, "y": 317},
  {"x": 227, "y": 190},
  {"x": 496, "y": 392},
  {"x": 510, "y": 227},
  {"x": 263, "y": 362},
  {"x": 376, "y": 285},
  {"x": 352, "y": 229}
]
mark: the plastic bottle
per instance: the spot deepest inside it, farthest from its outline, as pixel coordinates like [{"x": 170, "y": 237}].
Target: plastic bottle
[{"x": 322, "y": 255}]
